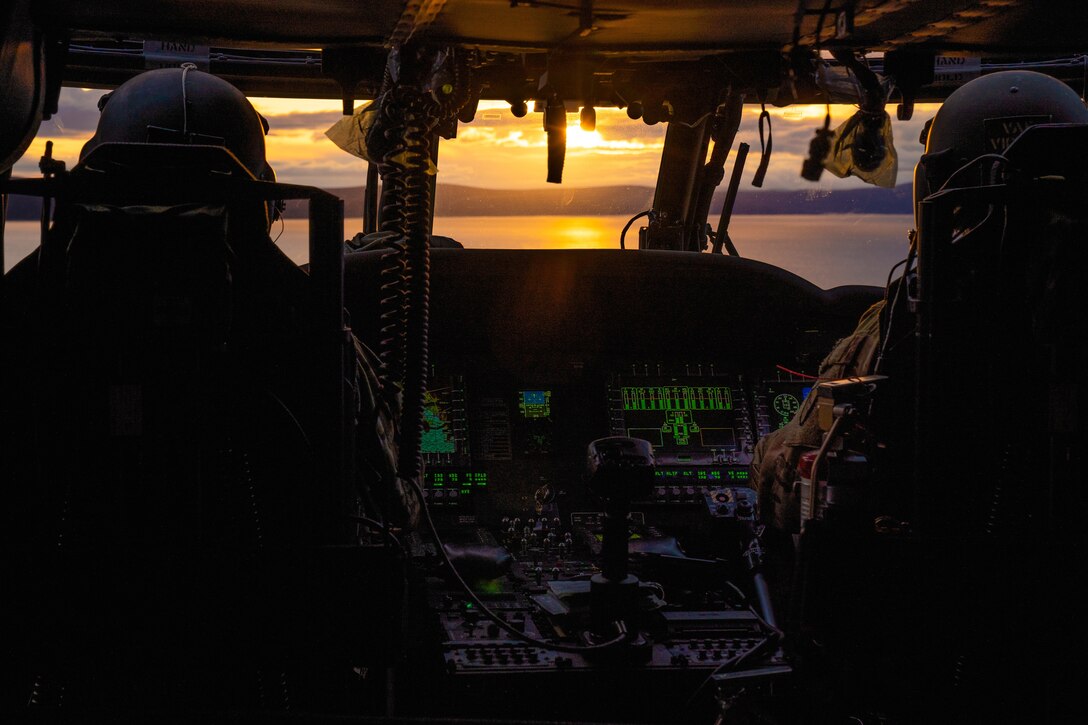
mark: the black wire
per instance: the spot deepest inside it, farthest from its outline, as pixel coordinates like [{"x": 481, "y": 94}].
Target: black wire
[
  {"x": 888, "y": 283},
  {"x": 890, "y": 309},
  {"x": 771, "y": 639},
  {"x": 775, "y": 636},
  {"x": 375, "y": 524},
  {"x": 623, "y": 235},
  {"x": 969, "y": 165},
  {"x": 283, "y": 225},
  {"x": 1084, "y": 78},
  {"x": 294, "y": 419},
  {"x": 499, "y": 621}
]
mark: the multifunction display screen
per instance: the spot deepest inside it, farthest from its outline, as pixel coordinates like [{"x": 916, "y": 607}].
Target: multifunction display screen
[
  {"x": 698, "y": 420},
  {"x": 445, "y": 436},
  {"x": 777, "y": 401}
]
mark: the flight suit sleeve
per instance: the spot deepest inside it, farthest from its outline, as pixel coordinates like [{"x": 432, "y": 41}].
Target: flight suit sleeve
[{"x": 774, "y": 461}]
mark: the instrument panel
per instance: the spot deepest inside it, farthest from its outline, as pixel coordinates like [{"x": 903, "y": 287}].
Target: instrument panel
[
  {"x": 538, "y": 354},
  {"x": 496, "y": 448}
]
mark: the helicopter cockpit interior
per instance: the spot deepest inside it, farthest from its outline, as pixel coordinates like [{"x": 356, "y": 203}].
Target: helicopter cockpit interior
[{"x": 415, "y": 481}]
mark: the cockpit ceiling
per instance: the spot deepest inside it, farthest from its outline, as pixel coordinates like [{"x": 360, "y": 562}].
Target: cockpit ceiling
[{"x": 653, "y": 28}]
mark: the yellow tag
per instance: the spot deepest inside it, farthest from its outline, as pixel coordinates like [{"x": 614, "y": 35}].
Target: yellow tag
[{"x": 350, "y": 134}]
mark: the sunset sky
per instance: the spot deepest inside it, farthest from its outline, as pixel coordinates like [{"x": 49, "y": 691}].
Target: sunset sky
[{"x": 497, "y": 150}]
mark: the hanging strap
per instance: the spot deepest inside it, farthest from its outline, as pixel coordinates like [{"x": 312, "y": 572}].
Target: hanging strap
[{"x": 765, "y": 148}]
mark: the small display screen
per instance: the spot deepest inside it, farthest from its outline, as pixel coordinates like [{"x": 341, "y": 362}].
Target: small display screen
[
  {"x": 535, "y": 403},
  {"x": 445, "y": 440},
  {"x": 535, "y": 429},
  {"x": 781, "y": 401}
]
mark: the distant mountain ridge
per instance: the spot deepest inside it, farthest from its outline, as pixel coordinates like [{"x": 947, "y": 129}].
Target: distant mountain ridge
[{"x": 457, "y": 200}]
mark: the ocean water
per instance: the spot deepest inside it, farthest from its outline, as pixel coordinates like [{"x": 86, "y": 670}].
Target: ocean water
[{"x": 827, "y": 249}]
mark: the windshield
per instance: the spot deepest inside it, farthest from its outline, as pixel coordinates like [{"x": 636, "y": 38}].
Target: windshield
[{"x": 492, "y": 191}]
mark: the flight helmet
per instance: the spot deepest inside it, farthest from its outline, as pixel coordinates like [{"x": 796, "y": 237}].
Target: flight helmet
[
  {"x": 984, "y": 117},
  {"x": 23, "y": 76},
  {"x": 183, "y": 106}
]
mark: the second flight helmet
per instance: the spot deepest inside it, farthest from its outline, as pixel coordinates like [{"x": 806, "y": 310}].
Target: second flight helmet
[{"x": 984, "y": 117}]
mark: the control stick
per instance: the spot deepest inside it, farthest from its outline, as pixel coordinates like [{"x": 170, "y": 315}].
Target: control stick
[{"x": 619, "y": 470}]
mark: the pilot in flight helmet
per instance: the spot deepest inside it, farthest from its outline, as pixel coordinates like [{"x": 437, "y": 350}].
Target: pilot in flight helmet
[
  {"x": 183, "y": 106},
  {"x": 984, "y": 117}
]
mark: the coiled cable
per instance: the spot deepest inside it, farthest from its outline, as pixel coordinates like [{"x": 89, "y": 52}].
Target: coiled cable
[
  {"x": 416, "y": 208},
  {"x": 409, "y": 118}
]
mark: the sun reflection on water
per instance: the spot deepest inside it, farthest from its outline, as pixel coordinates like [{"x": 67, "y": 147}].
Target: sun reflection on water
[{"x": 579, "y": 233}]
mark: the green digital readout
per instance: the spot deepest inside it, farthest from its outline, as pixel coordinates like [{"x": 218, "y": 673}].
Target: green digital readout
[
  {"x": 455, "y": 479},
  {"x": 677, "y": 398},
  {"x": 665, "y": 475},
  {"x": 535, "y": 403}
]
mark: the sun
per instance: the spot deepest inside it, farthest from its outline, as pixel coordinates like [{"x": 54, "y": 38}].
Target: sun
[{"x": 580, "y": 139}]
